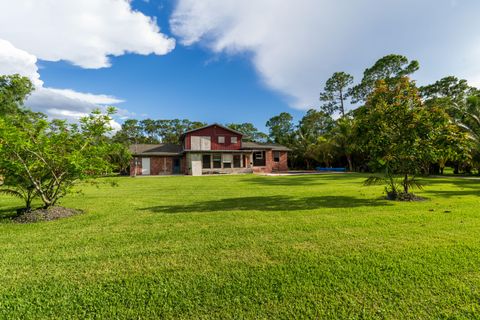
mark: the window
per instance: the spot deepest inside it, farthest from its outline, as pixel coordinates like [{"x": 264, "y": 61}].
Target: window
[
  {"x": 221, "y": 139},
  {"x": 233, "y": 140},
  {"x": 276, "y": 156},
  {"x": 237, "y": 163},
  {"x": 206, "y": 161},
  {"x": 227, "y": 160},
  {"x": 259, "y": 159},
  {"x": 200, "y": 143},
  {"x": 217, "y": 161}
]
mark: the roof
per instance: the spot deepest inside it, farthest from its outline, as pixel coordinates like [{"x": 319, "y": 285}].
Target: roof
[
  {"x": 211, "y": 125},
  {"x": 165, "y": 149},
  {"x": 264, "y": 146}
]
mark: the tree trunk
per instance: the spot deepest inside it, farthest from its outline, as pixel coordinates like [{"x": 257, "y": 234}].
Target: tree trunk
[
  {"x": 405, "y": 184},
  {"x": 456, "y": 169},
  {"x": 349, "y": 160},
  {"x": 342, "y": 108}
]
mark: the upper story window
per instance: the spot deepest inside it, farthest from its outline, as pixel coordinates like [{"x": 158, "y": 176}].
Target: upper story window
[
  {"x": 233, "y": 140},
  {"x": 200, "y": 143},
  {"x": 221, "y": 139}
]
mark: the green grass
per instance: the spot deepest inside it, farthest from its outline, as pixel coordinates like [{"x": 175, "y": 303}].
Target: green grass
[{"x": 247, "y": 247}]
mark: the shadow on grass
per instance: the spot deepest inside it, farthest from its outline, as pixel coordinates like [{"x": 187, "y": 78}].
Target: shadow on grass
[
  {"x": 300, "y": 180},
  {"x": 8, "y": 213},
  {"x": 458, "y": 186},
  {"x": 272, "y": 203}
]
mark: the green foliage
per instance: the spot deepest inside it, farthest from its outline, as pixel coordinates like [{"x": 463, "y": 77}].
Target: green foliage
[
  {"x": 389, "y": 69},
  {"x": 281, "y": 128},
  {"x": 337, "y": 90},
  {"x": 47, "y": 158},
  {"x": 14, "y": 89},
  {"x": 154, "y": 131},
  {"x": 311, "y": 135},
  {"x": 402, "y": 135},
  {"x": 250, "y": 132}
]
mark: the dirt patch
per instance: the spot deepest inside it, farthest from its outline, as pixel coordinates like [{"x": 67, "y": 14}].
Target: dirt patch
[{"x": 53, "y": 213}]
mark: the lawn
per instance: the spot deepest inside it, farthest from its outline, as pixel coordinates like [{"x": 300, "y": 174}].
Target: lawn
[{"x": 247, "y": 246}]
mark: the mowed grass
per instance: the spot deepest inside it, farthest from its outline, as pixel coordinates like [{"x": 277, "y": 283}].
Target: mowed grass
[{"x": 247, "y": 246}]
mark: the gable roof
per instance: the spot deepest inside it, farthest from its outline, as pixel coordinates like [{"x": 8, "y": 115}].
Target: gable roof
[
  {"x": 211, "y": 125},
  {"x": 164, "y": 149},
  {"x": 264, "y": 146}
]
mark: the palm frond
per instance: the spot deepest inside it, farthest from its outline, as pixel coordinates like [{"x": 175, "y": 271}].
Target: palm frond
[
  {"x": 11, "y": 192},
  {"x": 414, "y": 183},
  {"x": 374, "y": 181}
]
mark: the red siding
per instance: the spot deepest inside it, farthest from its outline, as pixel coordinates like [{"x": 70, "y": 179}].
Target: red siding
[{"x": 213, "y": 132}]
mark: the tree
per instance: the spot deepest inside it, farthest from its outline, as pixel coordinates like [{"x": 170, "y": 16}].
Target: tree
[
  {"x": 337, "y": 90},
  {"x": 249, "y": 131},
  {"x": 150, "y": 130},
  {"x": 130, "y": 133},
  {"x": 47, "y": 158},
  {"x": 322, "y": 151},
  {"x": 342, "y": 138},
  {"x": 448, "y": 87},
  {"x": 390, "y": 69},
  {"x": 313, "y": 125},
  {"x": 281, "y": 128},
  {"x": 14, "y": 89},
  {"x": 400, "y": 134}
]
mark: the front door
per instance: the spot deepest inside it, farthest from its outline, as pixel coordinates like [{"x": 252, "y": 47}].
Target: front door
[
  {"x": 196, "y": 164},
  {"x": 145, "y": 166},
  {"x": 176, "y": 166}
]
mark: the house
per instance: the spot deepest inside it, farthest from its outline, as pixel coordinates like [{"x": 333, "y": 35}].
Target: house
[{"x": 208, "y": 150}]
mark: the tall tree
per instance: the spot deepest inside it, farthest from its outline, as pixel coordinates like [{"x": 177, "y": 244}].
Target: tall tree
[
  {"x": 14, "y": 89},
  {"x": 250, "y": 132},
  {"x": 448, "y": 87},
  {"x": 343, "y": 139},
  {"x": 390, "y": 69},
  {"x": 313, "y": 125},
  {"x": 150, "y": 130},
  {"x": 281, "y": 128},
  {"x": 336, "y": 92}
]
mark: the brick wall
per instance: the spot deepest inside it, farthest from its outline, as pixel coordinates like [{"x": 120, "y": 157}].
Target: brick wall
[
  {"x": 138, "y": 167},
  {"x": 158, "y": 165},
  {"x": 161, "y": 165},
  {"x": 270, "y": 165}
]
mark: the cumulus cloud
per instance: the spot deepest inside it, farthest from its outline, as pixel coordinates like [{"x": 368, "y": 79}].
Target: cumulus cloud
[
  {"x": 296, "y": 45},
  {"x": 13, "y": 60},
  {"x": 83, "y": 32},
  {"x": 56, "y": 103}
]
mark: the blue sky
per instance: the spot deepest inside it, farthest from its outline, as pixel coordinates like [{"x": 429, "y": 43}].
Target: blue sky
[
  {"x": 222, "y": 60},
  {"x": 190, "y": 82}
]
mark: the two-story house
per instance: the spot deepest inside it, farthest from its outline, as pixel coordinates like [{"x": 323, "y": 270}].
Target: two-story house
[{"x": 208, "y": 150}]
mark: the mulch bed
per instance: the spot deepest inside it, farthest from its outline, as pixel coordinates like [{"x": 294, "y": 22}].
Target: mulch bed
[
  {"x": 408, "y": 197},
  {"x": 53, "y": 213}
]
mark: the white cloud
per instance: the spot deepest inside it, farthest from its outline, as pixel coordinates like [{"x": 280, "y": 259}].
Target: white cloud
[
  {"x": 13, "y": 60},
  {"x": 56, "y": 103},
  {"x": 83, "y": 32},
  {"x": 297, "y": 45}
]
